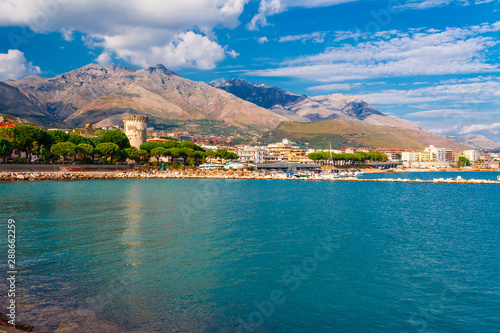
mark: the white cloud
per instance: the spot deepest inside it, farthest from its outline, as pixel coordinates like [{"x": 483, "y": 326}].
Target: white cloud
[
  {"x": 411, "y": 53},
  {"x": 272, "y": 7},
  {"x": 189, "y": 50},
  {"x": 104, "y": 59},
  {"x": 467, "y": 95},
  {"x": 266, "y": 8},
  {"x": 331, "y": 87},
  {"x": 233, "y": 54},
  {"x": 493, "y": 128},
  {"x": 316, "y": 37},
  {"x": 439, "y": 113},
  {"x": 137, "y": 31},
  {"x": 13, "y": 66},
  {"x": 425, "y": 4},
  {"x": 263, "y": 40}
]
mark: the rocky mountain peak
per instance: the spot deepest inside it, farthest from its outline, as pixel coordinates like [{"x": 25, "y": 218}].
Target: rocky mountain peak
[
  {"x": 259, "y": 94},
  {"x": 159, "y": 68}
]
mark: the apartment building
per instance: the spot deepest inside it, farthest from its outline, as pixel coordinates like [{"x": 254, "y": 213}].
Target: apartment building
[{"x": 472, "y": 155}]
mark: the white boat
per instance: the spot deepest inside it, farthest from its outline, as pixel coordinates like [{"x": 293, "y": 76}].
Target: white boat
[{"x": 358, "y": 173}]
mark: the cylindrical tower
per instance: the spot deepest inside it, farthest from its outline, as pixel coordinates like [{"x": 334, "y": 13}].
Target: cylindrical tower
[{"x": 135, "y": 129}]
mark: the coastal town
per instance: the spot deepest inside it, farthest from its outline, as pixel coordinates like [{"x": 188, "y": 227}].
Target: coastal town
[
  {"x": 138, "y": 152},
  {"x": 279, "y": 155}
]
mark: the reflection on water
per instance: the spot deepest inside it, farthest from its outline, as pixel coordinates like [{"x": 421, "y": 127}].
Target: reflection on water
[{"x": 202, "y": 256}]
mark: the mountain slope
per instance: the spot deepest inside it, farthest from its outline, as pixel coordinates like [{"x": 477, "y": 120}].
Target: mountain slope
[
  {"x": 259, "y": 94},
  {"x": 66, "y": 93},
  {"x": 342, "y": 132},
  {"x": 14, "y": 103},
  {"x": 476, "y": 141},
  {"x": 103, "y": 94},
  {"x": 94, "y": 93},
  {"x": 304, "y": 108}
]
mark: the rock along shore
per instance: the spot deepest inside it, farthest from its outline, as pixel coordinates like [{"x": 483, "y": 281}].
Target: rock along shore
[{"x": 202, "y": 174}]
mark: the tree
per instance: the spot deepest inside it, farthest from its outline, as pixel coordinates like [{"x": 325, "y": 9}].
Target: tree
[
  {"x": 315, "y": 156},
  {"x": 45, "y": 154},
  {"x": 232, "y": 156},
  {"x": 198, "y": 157},
  {"x": 150, "y": 145},
  {"x": 6, "y": 149},
  {"x": 57, "y": 136},
  {"x": 63, "y": 149},
  {"x": 174, "y": 152},
  {"x": 7, "y": 133},
  {"x": 463, "y": 161},
  {"x": 131, "y": 153},
  {"x": 94, "y": 141},
  {"x": 158, "y": 152},
  {"x": 376, "y": 156},
  {"x": 86, "y": 149},
  {"x": 117, "y": 137},
  {"x": 190, "y": 145},
  {"x": 142, "y": 154},
  {"x": 27, "y": 138},
  {"x": 172, "y": 144},
  {"x": 77, "y": 139},
  {"x": 107, "y": 149},
  {"x": 224, "y": 154},
  {"x": 119, "y": 156},
  {"x": 210, "y": 154}
]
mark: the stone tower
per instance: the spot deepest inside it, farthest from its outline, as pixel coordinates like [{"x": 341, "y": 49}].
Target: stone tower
[{"x": 135, "y": 129}]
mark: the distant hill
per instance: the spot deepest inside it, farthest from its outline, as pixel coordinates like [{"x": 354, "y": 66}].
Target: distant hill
[
  {"x": 5, "y": 119},
  {"x": 357, "y": 113},
  {"x": 14, "y": 103},
  {"x": 273, "y": 98},
  {"x": 304, "y": 108},
  {"x": 476, "y": 141},
  {"x": 95, "y": 92},
  {"x": 342, "y": 132},
  {"x": 101, "y": 95}
]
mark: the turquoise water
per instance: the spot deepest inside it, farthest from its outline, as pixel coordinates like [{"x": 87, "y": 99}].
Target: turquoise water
[
  {"x": 489, "y": 175},
  {"x": 255, "y": 255}
]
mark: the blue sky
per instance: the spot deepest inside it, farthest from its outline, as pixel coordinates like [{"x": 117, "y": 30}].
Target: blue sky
[{"x": 434, "y": 62}]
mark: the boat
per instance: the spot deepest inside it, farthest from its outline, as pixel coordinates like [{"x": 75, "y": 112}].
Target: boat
[{"x": 358, "y": 172}]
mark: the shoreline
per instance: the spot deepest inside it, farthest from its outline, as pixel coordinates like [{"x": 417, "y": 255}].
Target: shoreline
[{"x": 199, "y": 174}]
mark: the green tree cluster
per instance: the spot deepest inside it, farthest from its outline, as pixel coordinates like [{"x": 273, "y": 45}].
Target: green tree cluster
[
  {"x": 463, "y": 161},
  {"x": 110, "y": 145},
  {"x": 6, "y": 148},
  {"x": 326, "y": 157},
  {"x": 190, "y": 152}
]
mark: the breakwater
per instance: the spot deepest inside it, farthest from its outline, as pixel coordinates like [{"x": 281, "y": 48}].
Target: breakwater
[{"x": 198, "y": 174}]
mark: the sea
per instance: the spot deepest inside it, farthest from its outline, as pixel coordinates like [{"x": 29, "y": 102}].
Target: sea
[{"x": 191, "y": 255}]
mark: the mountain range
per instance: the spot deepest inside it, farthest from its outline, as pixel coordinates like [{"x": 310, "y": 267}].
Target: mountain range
[
  {"x": 479, "y": 142},
  {"x": 102, "y": 94}
]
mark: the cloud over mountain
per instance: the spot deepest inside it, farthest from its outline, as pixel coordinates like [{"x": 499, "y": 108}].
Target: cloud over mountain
[
  {"x": 13, "y": 65},
  {"x": 177, "y": 33}
]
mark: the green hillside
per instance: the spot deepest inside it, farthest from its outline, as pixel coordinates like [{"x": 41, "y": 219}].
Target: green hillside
[{"x": 341, "y": 132}]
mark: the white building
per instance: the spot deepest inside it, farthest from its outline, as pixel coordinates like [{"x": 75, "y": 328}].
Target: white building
[
  {"x": 472, "y": 155},
  {"x": 409, "y": 156},
  {"x": 438, "y": 154},
  {"x": 250, "y": 154}
]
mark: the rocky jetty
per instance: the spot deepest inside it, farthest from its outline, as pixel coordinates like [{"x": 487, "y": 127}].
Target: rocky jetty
[{"x": 208, "y": 174}]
